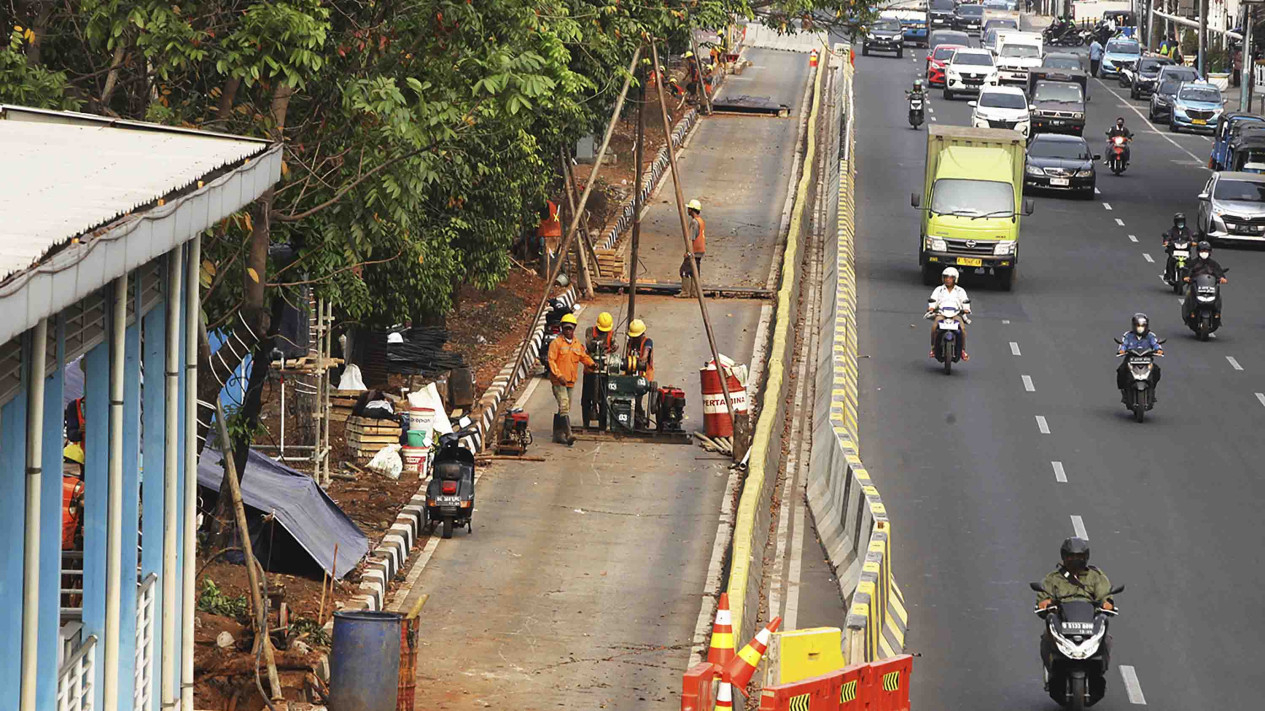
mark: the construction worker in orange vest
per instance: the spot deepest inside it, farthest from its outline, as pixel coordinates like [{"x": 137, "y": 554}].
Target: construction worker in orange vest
[
  {"x": 549, "y": 233},
  {"x": 565, "y": 355},
  {"x": 639, "y": 360},
  {"x": 599, "y": 341},
  {"x": 698, "y": 248}
]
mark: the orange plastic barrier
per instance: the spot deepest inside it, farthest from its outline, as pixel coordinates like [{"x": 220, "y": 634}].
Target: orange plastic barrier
[
  {"x": 697, "y": 689},
  {"x": 877, "y": 686},
  {"x": 888, "y": 683},
  {"x": 852, "y": 687},
  {"x": 818, "y": 692}
]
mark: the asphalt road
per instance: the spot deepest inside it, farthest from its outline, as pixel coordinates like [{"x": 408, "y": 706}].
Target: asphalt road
[{"x": 970, "y": 466}]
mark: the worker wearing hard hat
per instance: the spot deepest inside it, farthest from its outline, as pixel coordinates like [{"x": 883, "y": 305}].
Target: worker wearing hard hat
[
  {"x": 598, "y": 341},
  {"x": 698, "y": 248},
  {"x": 72, "y": 497},
  {"x": 565, "y": 355},
  {"x": 639, "y": 353}
]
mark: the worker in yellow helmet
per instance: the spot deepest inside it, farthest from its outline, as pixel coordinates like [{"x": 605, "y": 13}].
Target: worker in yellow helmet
[
  {"x": 698, "y": 249},
  {"x": 599, "y": 341},
  {"x": 72, "y": 497},
  {"x": 640, "y": 350},
  {"x": 565, "y": 355}
]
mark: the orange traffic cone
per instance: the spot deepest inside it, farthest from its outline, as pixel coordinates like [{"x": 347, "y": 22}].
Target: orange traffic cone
[
  {"x": 722, "y": 645},
  {"x": 812, "y": 59},
  {"x": 741, "y": 668},
  {"x": 724, "y": 697}
]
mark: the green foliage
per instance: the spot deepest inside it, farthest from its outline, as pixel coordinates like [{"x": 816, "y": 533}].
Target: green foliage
[
  {"x": 21, "y": 83},
  {"x": 316, "y": 634},
  {"x": 212, "y": 600}
]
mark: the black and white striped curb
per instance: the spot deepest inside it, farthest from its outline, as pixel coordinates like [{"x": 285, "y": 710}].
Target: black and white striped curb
[{"x": 649, "y": 180}]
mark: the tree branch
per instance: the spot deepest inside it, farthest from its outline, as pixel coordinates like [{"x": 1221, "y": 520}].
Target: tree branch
[
  {"x": 339, "y": 271},
  {"x": 296, "y": 216}
]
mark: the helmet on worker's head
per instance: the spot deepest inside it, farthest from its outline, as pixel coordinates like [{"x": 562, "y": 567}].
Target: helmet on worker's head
[
  {"x": 569, "y": 319},
  {"x": 1141, "y": 324},
  {"x": 1179, "y": 219},
  {"x": 1075, "y": 554},
  {"x": 74, "y": 453},
  {"x": 636, "y": 328},
  {"x": 688, "y": 54},
  {"x": 694, "y": 205},
  {"x": 605, "y": 322},
  {"x": 949, "y": 273}
]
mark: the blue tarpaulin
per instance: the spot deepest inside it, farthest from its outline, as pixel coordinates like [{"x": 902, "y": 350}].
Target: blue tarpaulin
[{"x": 312, "y": 523}]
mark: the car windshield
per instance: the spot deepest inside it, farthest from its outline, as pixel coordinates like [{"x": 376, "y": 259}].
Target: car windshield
[
  {"x": 1057, "y": 91},
  {"x": 1074, "y": 150},
  {"x": 1241, "y": 190},
  {"x": 886, "y": 24},
  {"x": 971, "y": 10},
  {"x": 1002, "y": 100},
  {"x": 1124, "y": 47},
  {"x": 1020, "y": 50},
  {"x": 943, "y": 53},
  {"x": 1200, "y": 93},
  {"x": 972, "y": 198},
  {"x": 974, "y": 59},
  {"x": 941, "y": 4},
  {"x": 1003, "y": 22},
  {"x": 1062, "y": 63}
]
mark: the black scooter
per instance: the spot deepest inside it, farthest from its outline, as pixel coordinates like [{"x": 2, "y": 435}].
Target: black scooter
[
  {"x": 450, "y": 492},
  {"x": 1075, "y": 650},
  {"x": 1138, "y": 394},
  {"x": 553, "y": 326},
  {"x": 1200, "y": 311},
  {"x": 916, "y": 110}
]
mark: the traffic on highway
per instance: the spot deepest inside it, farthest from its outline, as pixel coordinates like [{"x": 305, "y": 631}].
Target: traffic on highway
[{"x": 1100, "y": 240}]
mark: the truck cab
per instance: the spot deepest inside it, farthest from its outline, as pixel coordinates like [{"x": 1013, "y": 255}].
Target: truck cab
[{"x": 1017, "y": 54}]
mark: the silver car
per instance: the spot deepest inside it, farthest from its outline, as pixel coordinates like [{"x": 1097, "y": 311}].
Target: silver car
[{"x": 1232, "y": 208}]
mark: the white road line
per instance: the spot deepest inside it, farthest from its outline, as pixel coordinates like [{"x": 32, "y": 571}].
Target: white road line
[
  {"x": 1261, "y": 397},
  {"x": 933, "y": 118},
  {"x": 1142, "y": 116},
  {"x": 1133, "y": 238},
  {"x": 1059, "y": 475},
  {"x": 1097, "y": 191},
  {"x": 1234, "y": 363},
  {"x": 1043, "y": 425},
  {"x": 1079, "y": 527},
  {"x": 1131, "y": 685},
  {"x": 1106, "y": 205},
  {"x": 1027, "y": 384},
  {"x": 1147, "y": 257},
  {"x": 1005, "y": 322},
  {"x": 1014, "y": 348},
  {"x": 1119, "y": 222}
]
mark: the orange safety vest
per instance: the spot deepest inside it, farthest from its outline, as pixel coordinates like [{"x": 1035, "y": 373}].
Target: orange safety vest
[
  {"x": 550, "y": 226},
  {"x": 597, "y": 336},
  {"x": 645, "y": 354},
  {"x": 699, "y": 245}
]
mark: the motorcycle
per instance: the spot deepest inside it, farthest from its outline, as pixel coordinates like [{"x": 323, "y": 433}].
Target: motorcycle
[
  {"x": 1063, "y": 35},
  {"x": 1118, "y": 154},
  {"x": 1175, "y": 274},
  {"x": 450, "y": 491},
  {"x": 948, "y": 335},
  {"x": 1139, "y": 394},
  {"x": 1075, "y": 649},
  {"x": 916, "y": 102},
  {"x": 1199, "y": 312}
]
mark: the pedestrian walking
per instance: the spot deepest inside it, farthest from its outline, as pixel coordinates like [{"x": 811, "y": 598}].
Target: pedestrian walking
[
  {"x": 698, "y": 248},
  {"x": 1095, "y": 57}
]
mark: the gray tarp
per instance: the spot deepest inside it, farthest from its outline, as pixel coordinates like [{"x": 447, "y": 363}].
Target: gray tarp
[{"x": 304, "y": 510}]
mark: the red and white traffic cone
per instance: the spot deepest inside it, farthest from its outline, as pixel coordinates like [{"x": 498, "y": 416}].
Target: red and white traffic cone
[
  {"x": 724, "y": 697},
  {"x": 722, "y": 644},
  {"x": 741, "y": 668}
]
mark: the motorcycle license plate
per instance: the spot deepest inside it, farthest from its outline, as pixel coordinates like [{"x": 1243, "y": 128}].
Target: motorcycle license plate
[
  {"x": 915, "y": 105},
  {"x": 1181, "y": 253},
  {"x": 948, "y": 325},
  {"x": 969, "y": 262},
  {"x": 1199, "y": 122},
  {"x": 1061, "y": 182}
]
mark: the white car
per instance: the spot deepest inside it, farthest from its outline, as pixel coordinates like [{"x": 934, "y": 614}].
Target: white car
[
  {"x": 1002, "y": 107},
  {"x": 969, "y": 70}
]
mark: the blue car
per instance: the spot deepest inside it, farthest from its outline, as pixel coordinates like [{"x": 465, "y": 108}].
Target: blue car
[
  {"x": 915, "y": 31},
  {"x": 1120, "y": 51},
  {"x": 1229, "y": 127},
  {"x": 1197, "y": 107}
]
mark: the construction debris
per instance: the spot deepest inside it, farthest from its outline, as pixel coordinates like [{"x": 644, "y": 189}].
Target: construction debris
[{"x": 724, "y": 445}]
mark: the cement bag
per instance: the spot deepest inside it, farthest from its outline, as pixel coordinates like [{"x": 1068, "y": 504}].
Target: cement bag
[
  {"x": 387, "y": 462},
  {"x": 351, "y": 379}
]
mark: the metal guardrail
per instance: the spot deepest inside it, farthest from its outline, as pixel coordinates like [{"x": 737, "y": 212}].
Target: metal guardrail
[
  {"x": 75, "y": 679},
  {"x": 143, "y": 691}
]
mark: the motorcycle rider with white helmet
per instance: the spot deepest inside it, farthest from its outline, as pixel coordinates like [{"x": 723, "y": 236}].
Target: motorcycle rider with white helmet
[{"x": 949, "y": 294}]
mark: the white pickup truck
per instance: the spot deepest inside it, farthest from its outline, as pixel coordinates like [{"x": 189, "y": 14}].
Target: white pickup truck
[{"x": 1018, "y": 52}]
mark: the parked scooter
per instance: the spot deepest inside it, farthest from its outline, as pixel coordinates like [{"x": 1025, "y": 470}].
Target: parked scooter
[
  {"x": 1079, "y": 652},
  {"x": 948, "y": 347},
  {"x": 1201, "y": 311},
  {"x": 1139, "y": 394},
  {"x": 553, "y": 326},
  {"x": 1175, "y": 271},
  {"x": 450, "y": 492},
  {"x": 1063, "y": 34},
  {"x": 1118, "y": 154}
]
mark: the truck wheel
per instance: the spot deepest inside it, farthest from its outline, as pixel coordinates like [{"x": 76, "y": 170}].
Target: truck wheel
[
  {"x": 1008, "y": 279},
  {"x": 929, "y": 275}
]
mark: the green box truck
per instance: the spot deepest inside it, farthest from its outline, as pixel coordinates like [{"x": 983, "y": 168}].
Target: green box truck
[{"x": 971, "y": 202}]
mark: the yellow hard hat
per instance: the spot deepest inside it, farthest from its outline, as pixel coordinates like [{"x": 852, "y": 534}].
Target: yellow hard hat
[
  {"x": 689, "y": 54},
  {"x": 636, "y": 328},
  {"x": 569, "y": 318},
  {"x": 694, "y": 205},
  {"x": 73, "y": 452},
  {"x": 605, "y": 322}
]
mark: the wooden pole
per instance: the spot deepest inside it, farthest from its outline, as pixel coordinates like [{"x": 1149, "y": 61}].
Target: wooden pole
[
  {"x": 702, "y": 85},
  {"x": 685, "y": 236},
  {"x": 584, "y": 277},
  {"x": 638, "y": 205},
  {"x": 584, "y": 243},
  {"x": 584, "y": 199}
]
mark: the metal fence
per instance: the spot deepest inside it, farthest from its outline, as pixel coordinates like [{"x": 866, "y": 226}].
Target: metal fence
[{"x": 75, "y": 678}]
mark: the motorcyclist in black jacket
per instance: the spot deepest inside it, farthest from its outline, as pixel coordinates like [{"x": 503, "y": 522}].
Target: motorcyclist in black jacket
[
  {"x": 1203, "y": 263},
  {"x": 1179, "y": 232},
  {"x": 1118, "y": 130}
]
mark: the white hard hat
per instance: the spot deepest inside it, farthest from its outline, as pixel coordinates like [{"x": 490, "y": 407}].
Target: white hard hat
[
  {"x": 695, "y": 205},
  {"x": 949, "y": 272}
]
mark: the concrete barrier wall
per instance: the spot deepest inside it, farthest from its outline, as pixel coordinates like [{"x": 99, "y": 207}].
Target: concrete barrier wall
[
  {"x": 846, "y": 507},
  {"x": 751, "y": 524}
]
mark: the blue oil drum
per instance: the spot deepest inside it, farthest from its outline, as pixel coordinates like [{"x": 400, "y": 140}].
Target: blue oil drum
[{"x": 365, "y": 661}]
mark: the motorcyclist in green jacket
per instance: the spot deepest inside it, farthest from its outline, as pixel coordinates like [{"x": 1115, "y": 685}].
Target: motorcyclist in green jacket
[{"x": 1075, "y": 578}]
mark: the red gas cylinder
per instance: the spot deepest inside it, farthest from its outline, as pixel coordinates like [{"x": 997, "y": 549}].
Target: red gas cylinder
[{"x": 716, "y": 421}]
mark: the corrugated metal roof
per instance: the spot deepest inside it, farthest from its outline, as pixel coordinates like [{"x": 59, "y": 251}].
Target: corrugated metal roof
[{"x": 68, "y": 174}]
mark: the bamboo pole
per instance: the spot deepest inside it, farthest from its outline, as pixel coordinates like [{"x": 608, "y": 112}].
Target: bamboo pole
[
  {"x": 702, "y": 83},
  {"x": 588, "y": 255},
  {"x": 638, "y": 203},
  {"x": 685, "y": 236}
]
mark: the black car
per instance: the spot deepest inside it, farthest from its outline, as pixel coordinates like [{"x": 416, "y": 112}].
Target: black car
[
  {"x": 939, "y": 15},
  {"x": 1060, "y": 163},
  {"x": 1167, "y": 82},
  {"x": 1141, "y": 78},
  {"x": 884, "y": 36},
  {"x": 969, "y": 18}
]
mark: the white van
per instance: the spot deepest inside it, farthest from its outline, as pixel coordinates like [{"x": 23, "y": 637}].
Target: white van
[{"x": 1017, "y": 52}]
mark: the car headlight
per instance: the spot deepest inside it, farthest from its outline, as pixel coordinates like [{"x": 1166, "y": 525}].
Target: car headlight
[
  {"x": 1004, "y": 248},
  {"x": 1035, "y": 170},
  {"x": 1179, "y": 111},
  {"x": 1085, "y": 173},
  {"x": 936, "y": 244}
]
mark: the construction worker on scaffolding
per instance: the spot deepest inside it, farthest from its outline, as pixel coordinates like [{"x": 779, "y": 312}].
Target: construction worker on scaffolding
[
  {"x": 698, "y": 249},
  {"x": 565, "y": 355},
  {"x": 599, "y": 341}
]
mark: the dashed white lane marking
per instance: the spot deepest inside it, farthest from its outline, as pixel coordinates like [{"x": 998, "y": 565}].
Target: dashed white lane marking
[
  {"x": 1133, "y": 238},
  {"x": 1079, "y": 527},
  {"x": 1027, "y": 384},
  {"x": 1131, "y": 685},
  {"x": 1147, "y": 257},
  {"x": 1106, "y": 205},
  {"x": 933, "y": 118},
  {"x": 1261, "y": 397},
  {"x": 1097, "y": 191},
  {"x": 1014, "y": 348},
  {"x": 1119, "y": 222},
  {"x": 1005, "y": 322},
  {"x": 1059, "y": 475},
  {"x": 1043, "y": 425},
  {"x": 1234, "y": 363}
]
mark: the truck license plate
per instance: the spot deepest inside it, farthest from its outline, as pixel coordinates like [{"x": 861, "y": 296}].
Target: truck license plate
[
  {"x": 1062, "y": 182},
  {"x": 969, "y": 262}
]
